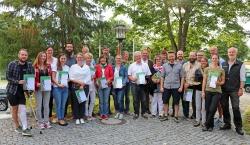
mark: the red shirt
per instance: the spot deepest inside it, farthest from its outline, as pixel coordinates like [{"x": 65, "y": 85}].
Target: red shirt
[
  {"x": 108, "y": 72},
  {"x": 37, "y": 75}
]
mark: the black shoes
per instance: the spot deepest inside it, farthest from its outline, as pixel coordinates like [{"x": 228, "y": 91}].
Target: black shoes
[
  {"x": 225, "y": 127},
  {"x": 136, "y": 116},
  {"x": 163, "y": 118},
  {"x": 204, "y": 128},
  {"x": 239, "y": 131},
  {"x": 144, "y": 116}
]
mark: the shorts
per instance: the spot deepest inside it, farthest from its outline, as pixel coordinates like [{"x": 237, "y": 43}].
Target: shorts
[
  {"x": 17, "y": 99},
  {"x": 171, "y": 92}
]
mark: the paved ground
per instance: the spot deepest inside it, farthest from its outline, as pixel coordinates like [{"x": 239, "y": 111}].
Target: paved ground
[{"x": 141, "y": 131}]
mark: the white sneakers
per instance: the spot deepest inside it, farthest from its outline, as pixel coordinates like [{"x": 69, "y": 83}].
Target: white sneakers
[
  {"x": 119, "y": 116},
  {"x": 79, "y": 121}
]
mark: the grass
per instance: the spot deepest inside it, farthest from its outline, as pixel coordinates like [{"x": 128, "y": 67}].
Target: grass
[{"x": 246, "y": 121}]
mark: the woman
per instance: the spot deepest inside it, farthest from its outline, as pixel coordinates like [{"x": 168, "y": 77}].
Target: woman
[
  {"x": 104, "y": 77},
  {"x": 120, "y": 80},
  {"x": 157, "y": 95},
  {"x": 80, "y": 76},
  {"x": 60, "y": 91},
  {"x": 42, "y": 69},
  {"x": 89, "y": 106},
  {"x": 213, "y": 78},
  {"x": 200, "y": 102}
]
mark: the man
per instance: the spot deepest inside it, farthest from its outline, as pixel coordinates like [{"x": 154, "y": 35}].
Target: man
[
  {"x": 125, "y": 59},
  {"x": 105, "y": 52},
  {"x": 15, "y": 93},
  {"x": 137, "y": 74},
  {"x": 200, "y": 55},
  {"x": 180, "y": 57},
  {"x": 164, "y": 56},
  {"x": 171, "y": 85},
  {"x": 233, "y": 89},
  {"x": 189, "y": 69},
  {"x": 85, "y": 50},
  {"x": 71, "y": 59},
  {"x": 214, "y": 51},
  {"x": 145, "y": 59}
]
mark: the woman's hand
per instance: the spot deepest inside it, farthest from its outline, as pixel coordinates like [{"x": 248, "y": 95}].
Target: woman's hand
[
  {"x": 38, "y": 84},
  {"x": 203, "y": 95}
]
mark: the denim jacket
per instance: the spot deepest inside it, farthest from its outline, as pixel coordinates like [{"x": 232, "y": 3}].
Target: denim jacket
[{"x": 123, "y": 72}]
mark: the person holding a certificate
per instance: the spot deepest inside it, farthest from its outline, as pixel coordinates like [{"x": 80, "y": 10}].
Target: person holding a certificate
[
  {"x": 137, "y": 73},
  {"x": 60, "y": 84},
  {"x": 15, "y": 90},
  {"x": 80, "y": 76},
  {"x": 213, "y": 79},
  {"x": 104, "y": 76},
  {"x": 120, "y": 80},
  {"x": 43, "y": 84},
  {"x": 89, "y": 106}
]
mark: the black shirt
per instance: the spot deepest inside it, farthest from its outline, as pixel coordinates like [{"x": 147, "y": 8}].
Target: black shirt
[{"x": 22, "y": 71}]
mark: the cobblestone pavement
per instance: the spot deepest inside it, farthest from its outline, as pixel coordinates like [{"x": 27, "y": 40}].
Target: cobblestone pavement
[{"x": 133, "y": 132}]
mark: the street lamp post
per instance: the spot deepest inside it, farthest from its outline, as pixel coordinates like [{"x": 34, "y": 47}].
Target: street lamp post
[{"x": 120, "y": 31}]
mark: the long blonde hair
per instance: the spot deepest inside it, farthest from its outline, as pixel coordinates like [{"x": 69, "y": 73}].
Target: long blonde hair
[{"x": 37, "y": 62}]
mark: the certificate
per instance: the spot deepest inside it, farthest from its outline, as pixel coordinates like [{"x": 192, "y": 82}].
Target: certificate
[
  {"x": 141, "y": 78},
  {"x": 45, "y": 82},
  {"x": 188, "y": 95},
  {"x": 63, "y": 78},
  {"x": 92, "y": 71},
  {"x": 118, "y": 82},
  {"x": 29, "y": 82},
  {"x": 103, "y": 83},
  {"x": 213, "y": 80},
  {"x": 81, "y": 96}
]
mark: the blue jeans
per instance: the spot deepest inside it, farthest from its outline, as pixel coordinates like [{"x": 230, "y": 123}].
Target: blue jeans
[
  {"x": 61, "y": 96},
  {"x": 119, "y": 96},
  {"x": 104, "y": 100}
]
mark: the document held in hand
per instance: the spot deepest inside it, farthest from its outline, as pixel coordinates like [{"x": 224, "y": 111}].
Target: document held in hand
[
  {"x": 63, "y": 78},
  {"x": 45, "y": 82},
  {"x": 103, "y": 83},
  {"x": 213, "y": 80},
  {"x": 29, "y": 82},
  {"x": 188, "y": 95},
  {"x": 81, "y": 96},
  {"x": 118, "y": 82},
  {"x": 141, "y": 78}
]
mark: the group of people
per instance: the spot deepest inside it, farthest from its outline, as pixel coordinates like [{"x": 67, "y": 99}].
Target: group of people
[{"x": 206, "y": 84}]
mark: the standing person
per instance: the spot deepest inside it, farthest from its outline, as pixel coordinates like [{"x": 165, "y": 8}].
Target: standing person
[
  {"x": 214, "y": 51},
  {"x": 189, "y": 69},
  {"x": 85, "y": 50},
  {"x": 233, "y": 89},
  {"x": 80, "y": 76},
  {"x": 71, "y": 59},
  {"x": 164, "y": 56},
  {"x": 15, "y": 93},
  {"x": 213, "y": 79},
  {"x": 60, "y": 91},
  {"x": 126, "y": 63},
  {"x": 120, "y": 72},
  {"x": 157, "y": 102},
  {"x": 200, "y": 55},
  {"x": 89, "y": 106},
  {"x": 145, "y": 59},
  {"x": 53, "y": 62},
  {"x": 138, "y": 72},
  {"x": 42, "y": 68},
  {"x": 104, "y": 76},
  {"x": 199, "y": 100},
  {"x": 180, "y": 57},
  {"x": 171, "y": 85}
]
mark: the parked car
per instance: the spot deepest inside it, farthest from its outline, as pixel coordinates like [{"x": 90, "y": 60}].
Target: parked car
[
  {"x": 247, "y": 83},
  {"x": 3, "y": 100}
]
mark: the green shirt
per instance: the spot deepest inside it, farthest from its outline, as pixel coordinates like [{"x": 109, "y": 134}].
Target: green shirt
[{"x": 213, "y": 73}]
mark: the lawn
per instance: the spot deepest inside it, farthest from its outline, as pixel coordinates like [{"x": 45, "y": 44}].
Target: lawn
[{"x": 246, "y": 121}]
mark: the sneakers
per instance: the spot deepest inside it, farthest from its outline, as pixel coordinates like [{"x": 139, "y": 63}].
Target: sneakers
[
  {"x": 26, "y": 132},
  {"x": 19, "y": 129},
  {"x": 77, "y": 121},
  {"x": 176, "y": 119},
  {"x": 62, "y": 123},
  {"x": 163, "y": 118},
  {"x": 120, "y": 116},
  {"x": 47, "y": 125},
  {"x": 117, "y": 115},
  {"x": 82, "y": 121},
  {"x": 153, "y": 116},
  {"x": 225, "y": 127},
  {"x": 196, "y": 124},
  {"x": 144, "y": 116},
  {"x": 41, "y": 126},
  {"x": 239, "y": 131}
]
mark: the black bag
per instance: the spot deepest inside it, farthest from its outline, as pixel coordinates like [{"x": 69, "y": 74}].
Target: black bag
[{"x": 198, "y": 77}]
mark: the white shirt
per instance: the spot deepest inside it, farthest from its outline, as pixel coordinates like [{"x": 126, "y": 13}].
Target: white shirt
[
  {"x": 54, "y": 62},
  {"x": 79, "y": 73},
  {"x": 54, "y": 69},
  {"x": 135, "y": 68}
]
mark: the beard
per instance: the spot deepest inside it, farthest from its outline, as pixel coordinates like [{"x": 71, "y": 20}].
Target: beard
[
  {"x": 22, "y": 61},
  {"x": 69, "y": 53},
  {"x": 192, "y": 60}
]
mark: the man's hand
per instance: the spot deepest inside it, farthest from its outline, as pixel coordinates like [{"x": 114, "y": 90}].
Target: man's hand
[
  {"x": 186, "y": 85},
  {"x": 240, "y": 92},
  {"x": 21, "y": 82},
  {"x": 161, "y": 89},
  {"x": 180, "y": 90},
  {"x": 203, "y": 95}
]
